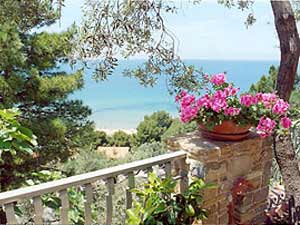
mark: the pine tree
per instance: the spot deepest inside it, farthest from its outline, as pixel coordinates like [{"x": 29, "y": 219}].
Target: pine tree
[{"x": 31, "y": 80}]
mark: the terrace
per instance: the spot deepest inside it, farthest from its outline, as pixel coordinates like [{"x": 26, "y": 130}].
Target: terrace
[{"x": 240, "y": 170}]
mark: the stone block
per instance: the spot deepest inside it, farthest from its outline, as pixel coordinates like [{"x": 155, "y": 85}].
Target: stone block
[
  {"x": 260, "y": 207},
  {"x": 242, "y": 218},
  {"x": 211, "y": 220},
  {"x": 267, "y": 143},
  {"x": 255, "y": 180},
  {"x": 226, "y": 153},
  {"x": 225, "y": 187},
  {"x": 266, "y": 172},
  {"x": 215, "y": 170},
  {"x": 223, "y": 202},
  {"x": 223, "y": 163},
  {"x": 211, "y": 209},
  {"x": 240, "y": 166},
  {"x": 210, "y": 193},
  {"x": 261, "y": 195},
  {"x": 258, "y": 219},
  {"x": 223, "y": 219}
]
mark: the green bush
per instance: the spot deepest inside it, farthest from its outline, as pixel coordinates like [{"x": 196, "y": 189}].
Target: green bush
[
  {"x": 158, "y": 204},
  {"x": 146, "y": 151},
  {"x": 267, "y": 83},
  {"x": 177, "y": 127},
  {"x": 120, "y": 139},
  {"x": 87, "y": 160},
  {"x": 153, "y": 127}
]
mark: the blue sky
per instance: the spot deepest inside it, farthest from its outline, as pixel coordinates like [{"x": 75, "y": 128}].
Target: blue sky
[{"x": 209, "y": 30}]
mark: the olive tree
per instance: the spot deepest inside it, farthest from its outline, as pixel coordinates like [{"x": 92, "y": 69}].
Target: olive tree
[{"x": 129, "y": 28}]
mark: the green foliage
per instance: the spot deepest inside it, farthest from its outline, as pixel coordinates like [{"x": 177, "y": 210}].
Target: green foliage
[
  {"x": 147, "y": 150},
  {"x": 177, "y": 128},
  {"x": 158, "y": 203},
  {"x": 75, "y": 197},
  {"x": 30, "y": 14},
  {"x": 86, "y": 161},
  {"x": 111, "y": 29},
  {"x": 90, "y": 138},
  {"x": 129, "y": 28},
  {"x": 30, "y": 79},
  {"x": 153, "y": 127},
  {"x": 16, "y": 144},
  {"x": 267, "y": 83},
  {"x": 120, "y": 139}
]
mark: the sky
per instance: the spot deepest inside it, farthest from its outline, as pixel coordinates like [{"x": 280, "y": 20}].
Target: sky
[{"x": 209, "y": 30}]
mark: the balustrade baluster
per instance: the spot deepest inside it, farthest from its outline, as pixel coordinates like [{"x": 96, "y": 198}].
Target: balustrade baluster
[
  {"x": 38, "y": 210},
  {"x": 109, "y": 204},
  {"x": 183, "y": 173},
  {"x": 131, "y": 185},
  {"x": 10, "y": 213},
  {"x": 9, "y": 198},
  {"x": 63, "y": 195},
  {"x": 168, "y": 169},
  {"x": 88, "y": 203}
]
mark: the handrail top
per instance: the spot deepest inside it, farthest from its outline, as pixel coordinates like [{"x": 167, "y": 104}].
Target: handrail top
[{"x": 86, "y": 178}]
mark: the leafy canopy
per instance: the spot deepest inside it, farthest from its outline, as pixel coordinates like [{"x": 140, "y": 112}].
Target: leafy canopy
[
  {"x": 153, "y": 127},
  {"x": 32, "y": 79},
  {"x": 120, "y": 29}
]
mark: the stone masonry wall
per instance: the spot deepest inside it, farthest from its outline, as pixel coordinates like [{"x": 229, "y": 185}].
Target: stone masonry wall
[{"x": 241, "y": 171}]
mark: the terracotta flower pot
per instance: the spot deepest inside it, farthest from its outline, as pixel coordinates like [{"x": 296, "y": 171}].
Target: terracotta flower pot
[{"x": 227, "y": 131}]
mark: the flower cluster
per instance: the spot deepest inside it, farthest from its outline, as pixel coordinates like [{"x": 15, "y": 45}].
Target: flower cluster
[{"x": 221, "y": 102}]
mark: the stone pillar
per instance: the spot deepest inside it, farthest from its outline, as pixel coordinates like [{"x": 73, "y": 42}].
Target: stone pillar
[{"x": 241, "y": 171}]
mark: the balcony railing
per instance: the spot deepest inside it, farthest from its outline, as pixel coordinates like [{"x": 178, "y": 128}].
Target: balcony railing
[{"x": 174, "y": 161}]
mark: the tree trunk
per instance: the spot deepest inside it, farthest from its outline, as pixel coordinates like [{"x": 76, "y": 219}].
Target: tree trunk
[{"x": 290, "y": 50}]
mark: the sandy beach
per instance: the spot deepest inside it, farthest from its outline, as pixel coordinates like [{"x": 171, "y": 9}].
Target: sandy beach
[{"x": 112, "y": 131}]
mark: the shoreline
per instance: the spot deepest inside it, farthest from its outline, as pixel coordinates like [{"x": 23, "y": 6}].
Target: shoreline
[{"x": 111, "y": 131}]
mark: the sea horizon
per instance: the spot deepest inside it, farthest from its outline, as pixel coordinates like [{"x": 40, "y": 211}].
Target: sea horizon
[{"x": 121, "y": 102}]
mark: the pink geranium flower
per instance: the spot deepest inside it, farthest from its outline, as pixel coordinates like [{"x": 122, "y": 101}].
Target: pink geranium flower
[
  {"x": 268, "y": 99},
  {"x": 204, "y": 101},
  {"x": 187, "y": 100},
  {"x": 231, "y": 91},
  {"x": 188, "y": 113},
  {"x": 286, "y": 122},
  {"x": 218, "y": 101},
  {"x": 218, "y": 79},
  {"x": 179, "y": 96},
  {"x": 265, "y": 127},
  {"x": 231, "y": 111},
  {"x": 280, "y": 107},
  {"x": 246, "y": 100},
  {"x": 221, "y": 102}
]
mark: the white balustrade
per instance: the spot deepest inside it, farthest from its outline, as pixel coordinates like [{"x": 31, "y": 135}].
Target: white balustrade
[{"x": 109, "y": 175}]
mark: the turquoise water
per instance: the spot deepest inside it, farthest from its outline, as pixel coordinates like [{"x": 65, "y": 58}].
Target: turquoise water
[{"x": 121, "y": 102}]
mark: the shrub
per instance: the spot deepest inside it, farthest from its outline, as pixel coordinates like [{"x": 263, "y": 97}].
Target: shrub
[
  {"x": 158, "y": 204},
  {"x": 147, "y": 150},
  {"x": 120, "y": 139},
  {"x": 86, "y": 160},
  {"x": 153, "y": 127},
  {"x": 177, "y": 128}
]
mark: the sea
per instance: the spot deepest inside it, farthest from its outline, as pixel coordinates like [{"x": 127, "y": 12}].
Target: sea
[{"x": 122, "y": 102}]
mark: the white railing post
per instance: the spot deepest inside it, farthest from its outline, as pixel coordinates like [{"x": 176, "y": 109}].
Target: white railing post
[
  {"x": 109, "y": 204},
  {"x": 10, "y": 213},
  {"x": 88, "y": 204},
  {"x": 10, "y": 198},
  {"x": 130, "y": 186},
  {"x": 38, "y": 210},
  {"x": 182, "y": 170},
  {"x": 168, "y": 169},
  {"x": 63, "y": 195}
]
